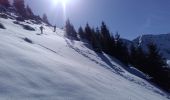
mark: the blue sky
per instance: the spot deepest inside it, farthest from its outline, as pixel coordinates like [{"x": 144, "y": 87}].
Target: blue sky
[{"x": 130, "y": 18}]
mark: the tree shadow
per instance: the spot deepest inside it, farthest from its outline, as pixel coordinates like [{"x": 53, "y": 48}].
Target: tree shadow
[{"x": 109, "y": 63}]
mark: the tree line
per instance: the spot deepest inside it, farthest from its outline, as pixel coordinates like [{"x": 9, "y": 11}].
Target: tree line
[
  {"x": 101, "y": 39},
  {"x": 24, "y": 11}
]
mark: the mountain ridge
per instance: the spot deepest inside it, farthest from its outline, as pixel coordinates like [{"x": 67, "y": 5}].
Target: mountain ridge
[{"x": 162, "y": 41}]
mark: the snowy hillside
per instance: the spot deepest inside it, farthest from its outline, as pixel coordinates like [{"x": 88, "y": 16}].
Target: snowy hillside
[
  {"x": 162, "y": 41},
  {"x": 52, "y": 67}
]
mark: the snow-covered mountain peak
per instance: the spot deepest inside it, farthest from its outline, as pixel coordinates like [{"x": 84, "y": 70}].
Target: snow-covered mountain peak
[{"x": 162, "y": 41}]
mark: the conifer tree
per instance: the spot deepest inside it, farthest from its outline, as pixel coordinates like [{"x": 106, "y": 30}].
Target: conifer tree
[
  {"x": 29, "y": 12},
  {"x": 133, "y": 55},
  {"x": 4, "y": 3},
  {"x": 105, "y": 38},
  {"x": 20, "y": 7},
  {"x": 141, "y": 58},
  {"x": 156, "y": 67},
  {"x": 121, "y": 50},
  {"x": 97, "y": 39},
  {"x": 152, "y": 64},
  {"x": 97, "y": 31},
  {"x": 155, "y": 60},
  {"x": 45, "y": 19},
  {"x": 94, "y": 41},
  {"x": 138, "y": 57},
  {"x": 74, "y": 33},
  {"x": 81, "y": 33},
  {"x": 104, "y": 30},
  {"x": 88, "y": 32},
  {"x": 117, "y": 37},
  {"x": 70, "y": 30}
]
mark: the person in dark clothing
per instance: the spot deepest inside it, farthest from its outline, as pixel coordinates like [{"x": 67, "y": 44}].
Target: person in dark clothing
[
  {"x": 55, "y": 28},
  {"x": 41, "y": 28}
]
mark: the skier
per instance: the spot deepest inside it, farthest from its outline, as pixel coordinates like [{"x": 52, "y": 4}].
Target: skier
[
  {"x": 41, "y": 28},
  {"x": 55, "y": 28}
]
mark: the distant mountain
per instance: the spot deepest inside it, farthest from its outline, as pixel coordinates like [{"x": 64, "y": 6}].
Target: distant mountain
[
  {"x": 162, "y": 41},
  {"x": 127, "y": 42}
]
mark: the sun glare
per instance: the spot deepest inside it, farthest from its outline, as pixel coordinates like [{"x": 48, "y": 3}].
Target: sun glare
[
  {"x": 60, "y": 1},
  {"x": 63, "y": 3}
]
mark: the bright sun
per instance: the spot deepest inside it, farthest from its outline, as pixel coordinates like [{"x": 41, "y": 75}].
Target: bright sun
[
  {"x": 63, "y": 3},
  {"x": 60, "y": 1}
]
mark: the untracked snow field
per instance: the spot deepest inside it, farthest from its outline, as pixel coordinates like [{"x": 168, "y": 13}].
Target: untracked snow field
[{"x": 52, "y": 67}]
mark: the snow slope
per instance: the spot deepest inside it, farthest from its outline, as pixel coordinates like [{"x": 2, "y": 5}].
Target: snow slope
[{"x": 52, "y": 67}]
